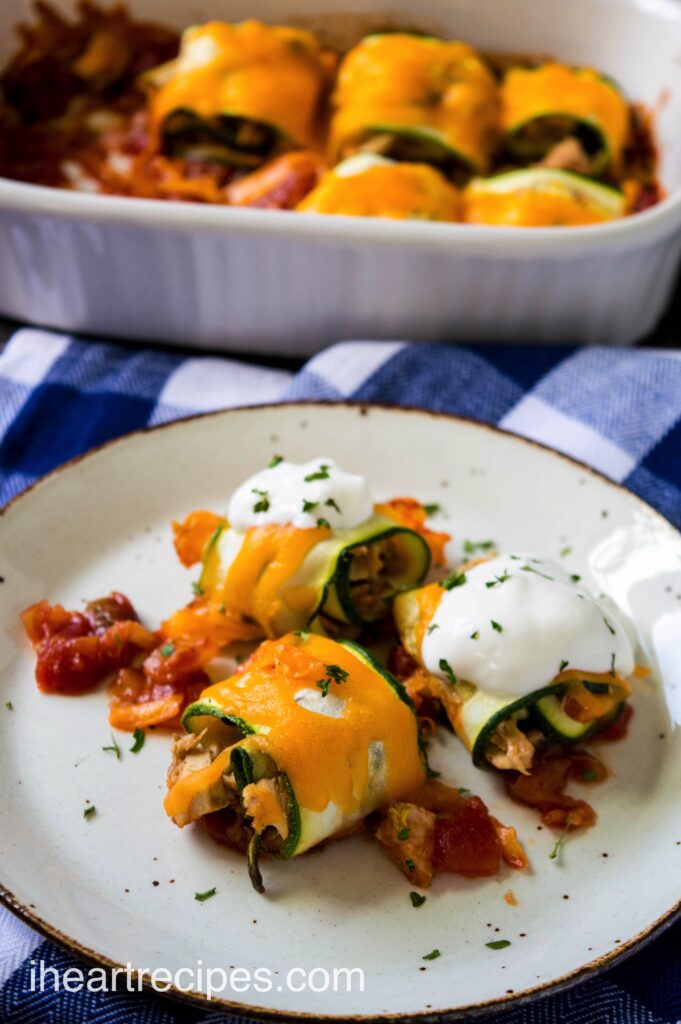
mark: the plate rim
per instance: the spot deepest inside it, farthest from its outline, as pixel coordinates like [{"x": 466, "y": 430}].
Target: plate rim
[{"x": 592, "y": 969}]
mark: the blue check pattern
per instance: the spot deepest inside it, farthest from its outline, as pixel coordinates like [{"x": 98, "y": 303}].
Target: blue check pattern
[{"x": 617, "y": 410}]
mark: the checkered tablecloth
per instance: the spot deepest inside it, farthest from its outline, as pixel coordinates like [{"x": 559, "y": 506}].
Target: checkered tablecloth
[{"x": 619, "y": 410}]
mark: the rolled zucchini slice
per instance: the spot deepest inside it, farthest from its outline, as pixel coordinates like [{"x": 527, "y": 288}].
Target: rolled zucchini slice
[
  {"x": 417, "y": 99},
  {"x": 541, "y": 197},
  {"x": 462, "y": 620},
  {"x": 545, "y": 105},
  {"x": 239, "y": 94},
  {"x": 305, "y": 741},
  {"x": 366, "y": 185},
  {"x": 286, "y": 579}
]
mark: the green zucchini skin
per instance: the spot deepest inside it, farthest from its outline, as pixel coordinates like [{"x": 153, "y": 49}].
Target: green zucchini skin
[
  {"x": 480, "y": 741},
  {"x": 228, "y": 138},
  {"x": 201, "y": 709},
  {"x": 336, "y": 596},
  {"x": 423, "y": 146},
  {"x": 587, "y": 133},
  {"x": 327, "y": 569}
]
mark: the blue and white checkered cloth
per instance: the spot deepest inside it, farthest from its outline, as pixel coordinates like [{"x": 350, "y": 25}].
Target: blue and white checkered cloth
[{"x": 617, "y": 410}]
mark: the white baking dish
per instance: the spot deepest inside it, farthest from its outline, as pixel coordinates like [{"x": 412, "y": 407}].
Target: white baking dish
[{"x": 291, "y": 283}]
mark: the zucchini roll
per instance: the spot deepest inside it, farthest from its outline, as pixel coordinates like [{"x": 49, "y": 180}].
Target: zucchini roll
[
  {"x": 574, "y": 118},
  {"x": 516, "y": 651},
  {"x": 541, "y": 197},
  {"x": 416, "y": 99},
  {"x": 303, "y": 546},
  {"x": 308, "y": 738},
  {"x": 239, "y": 94},
  {"x": 366, "y": 185}
]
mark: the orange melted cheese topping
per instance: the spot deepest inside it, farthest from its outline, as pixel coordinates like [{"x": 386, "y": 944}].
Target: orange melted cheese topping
[
  {"x": 554, "y": 89},
  {"x": 530, "y": 208},
  {"x": 386, "y": 189},
  {"x": 257, "y": 584},
  {"x": 411, "y": 82},
  {"x": 326, "y": 757},
  {"x": 273, "y": 74}
]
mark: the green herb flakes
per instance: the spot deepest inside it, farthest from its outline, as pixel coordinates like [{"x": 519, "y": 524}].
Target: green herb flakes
[
  {"x": 448, "y": 671},
  {"x": 433, "y": 955},
  {"x": 417, "y": 900},
  {"x": 197, "y": 588},
  {"x": 455, "y": 579},
  {"x": 138, "y": 741},
  {"x": 263, "y": 502},
  {"x": 309, "y": 506},
  {"x": 89, "y": 811},
  {"x": 404, "y": 834},
  {"x": 113, "y": 748},
  {"x": 496, "y": 626},
  {"x": 432, "y": 509},
  {"x": 276, "y": 459},
  {"x": 498, "y": 944},
  {"x": 560, "y": 842},
  {"x": 321, "y": 474},
  {"x": 201, "y": 897},
  {"x": 167, "y": 649},
  {"x": 471, "y": 546},
  {"x": 323, "y": 524},
  {"x": 334, "y": 674}
]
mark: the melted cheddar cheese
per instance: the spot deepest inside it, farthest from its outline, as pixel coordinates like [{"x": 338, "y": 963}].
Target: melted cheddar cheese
[
  {"x": 402, "y": 82},
  {"x": 530, "y": 208},
  {"x": 271, "y": 74},
  {"x": 385, "y": 189},
  {"x": 327, "y": 753},
  {"x": 556, "y": 90}
]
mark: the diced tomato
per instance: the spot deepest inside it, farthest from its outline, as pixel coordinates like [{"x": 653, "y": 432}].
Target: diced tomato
[
  {"x": 466, "y": 842},
  {"x": 76, "y": 651},
  {"x": 619, "y": 729},
  {"x": 401, "y": 663},
  {"x": 138, "y": 702},
  {"x": 545, "y": 787}
]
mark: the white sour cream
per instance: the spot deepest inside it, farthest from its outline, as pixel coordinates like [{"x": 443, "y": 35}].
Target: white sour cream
[
  {"x": 543, "y": 619},
  {"x": 301, "y": 495}
]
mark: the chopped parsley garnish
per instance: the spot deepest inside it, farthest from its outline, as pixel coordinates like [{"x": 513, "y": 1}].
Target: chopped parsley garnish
[
  {"x": 334, "y": 674},
  {"x": 321, "y": 474},
  {"x": 530, "y": 568},
  {"x": 498, "y": 944},
  {"x": 565, "y": 552},
  {"x": 612, "y": 664},
  {"x": 113, "y": 748},
  {"x": 448, "y": 671},
  {"x": 404, "y": 834},
  {"x": 323, "y": 524},
  {"x": 563, "y": 665},
  {"x": 138, "y": 738},
  {"x": 463, "y": 791},
  {"x": 433, "y": 955},
  {"x": 332, "y": 503},
  {"x": 200, "y": 897},
  {"x": 410, "y": 864},
  {"x": 222, "y": 609},
  {"x": 455, "y": 579},
  {"x": 497, "y": 580},
  {"x": 167, "y": 650},
  {"x": 197, "y": 588},
  {"x": 89, "y": 811},
  {"x": 497, "y": 626},
  {"x": 433, "y": 626},
  {"x": 9, "y": 705},
  {"x": 589, "y": 775},
  {"x": 575, "y": 578},
  {"x": 471, "y": 546},
  {"x": 304, "y": 635},
  {"x": 309, "y": 506},
  {"x": 476, "y": 635},
  {"x": 417, "y": 900},
  {"x": 263, "y": 502},
  {"x": 276, "y": 459},
  {"x": 560, "y": 842},
  {"x": 609, "y": 625},
  {"x": 432, "y": 509}
]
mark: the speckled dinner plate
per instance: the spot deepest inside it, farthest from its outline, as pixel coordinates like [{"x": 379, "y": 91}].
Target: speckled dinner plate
[{"x": 120, "y": 886}]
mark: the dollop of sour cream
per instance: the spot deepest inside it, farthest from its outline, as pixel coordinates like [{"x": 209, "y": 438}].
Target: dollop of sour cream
[
  {"x": 518, "y": 621},
  {"x": 303, "y": 495}
]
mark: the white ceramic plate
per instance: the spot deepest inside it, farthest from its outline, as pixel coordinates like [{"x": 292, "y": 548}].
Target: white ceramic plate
[{"x": 120, "y": 886}]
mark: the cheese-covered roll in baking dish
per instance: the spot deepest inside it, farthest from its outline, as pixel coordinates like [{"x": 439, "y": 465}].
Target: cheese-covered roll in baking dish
[
  {"x": 240, "y": 93},
  {"x": 365, "y": 185},
  {"x": 577, "y": 109},
  {"x": 516, "y": 650},
  {"x": 541, "y": 197},
  {"x": 416, "y": 98},
  {"x": 301, "y": 744}
]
